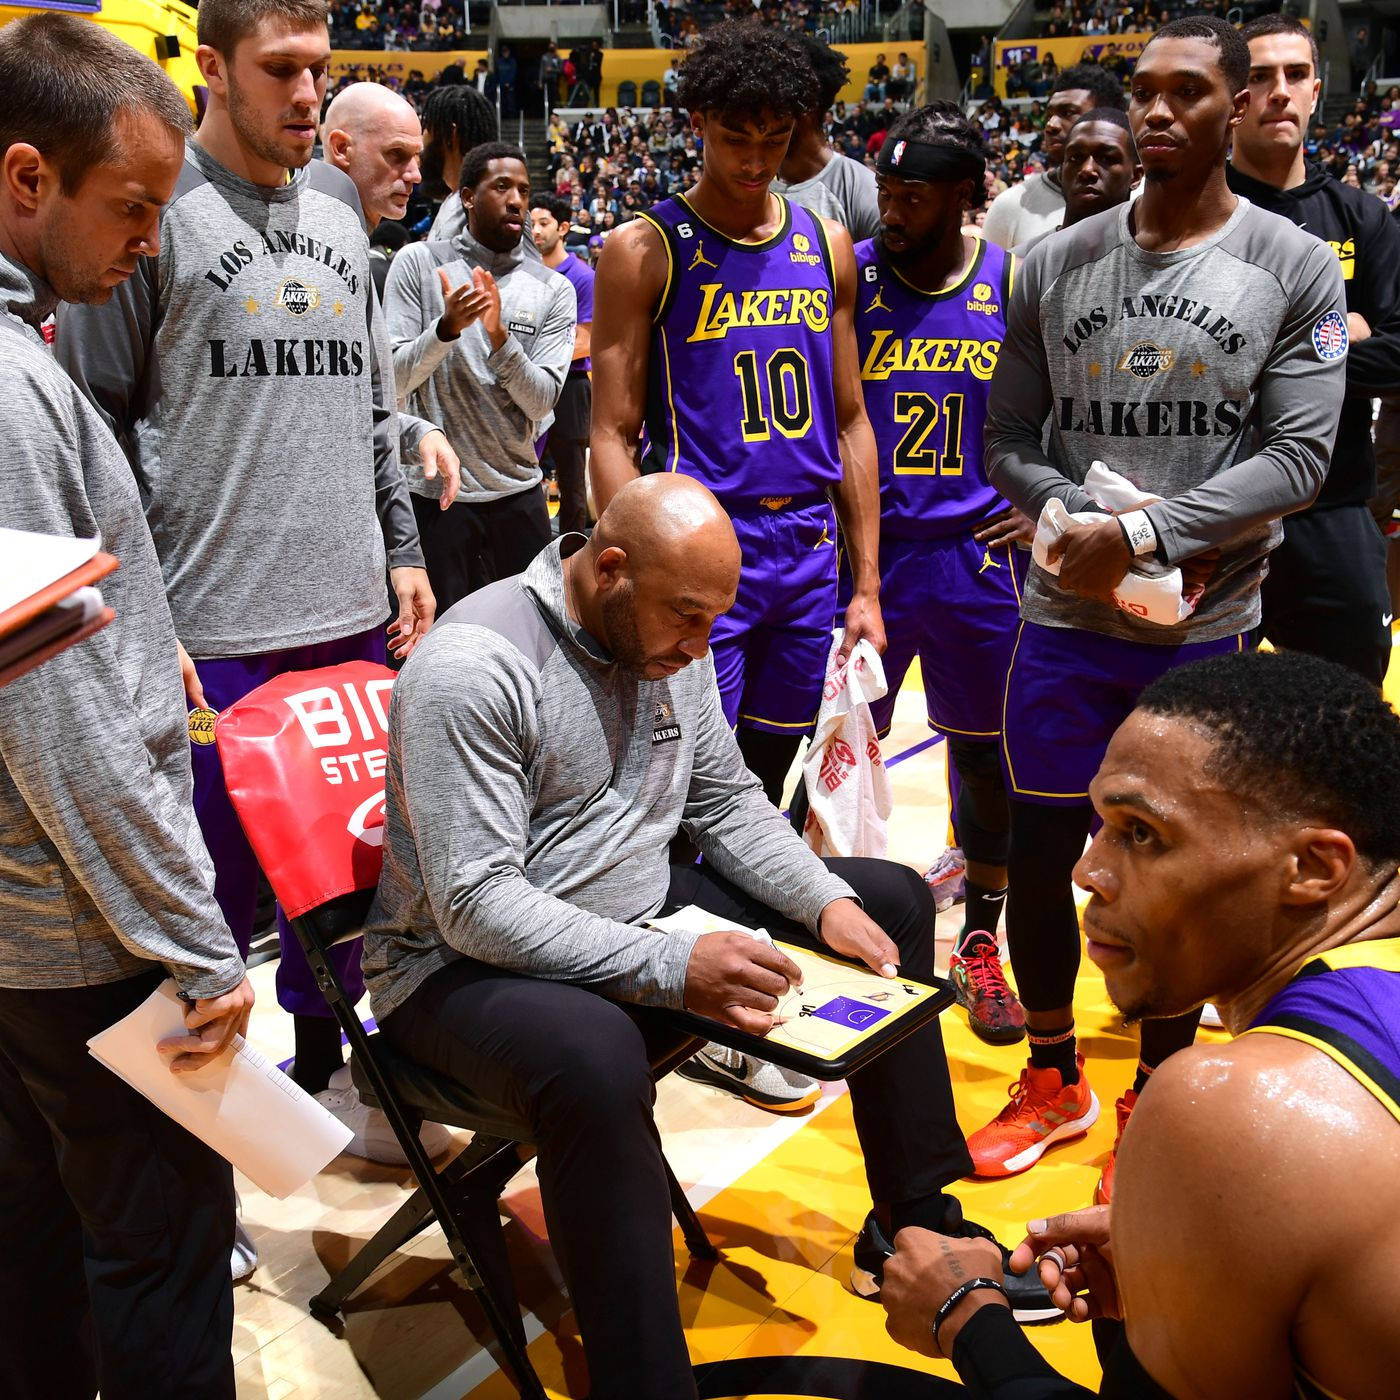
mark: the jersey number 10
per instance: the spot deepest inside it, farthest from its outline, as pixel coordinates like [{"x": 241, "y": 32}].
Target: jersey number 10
[
  {"x": 789, "y": 396},
  {"x": 913, "y": 457}
]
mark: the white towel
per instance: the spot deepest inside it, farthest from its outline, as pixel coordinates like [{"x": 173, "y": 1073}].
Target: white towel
[{"x": 1149, "y": 591}]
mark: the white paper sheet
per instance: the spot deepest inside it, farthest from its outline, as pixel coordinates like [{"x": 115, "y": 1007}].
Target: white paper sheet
[
  {"x": 29, "y": 561},
  {"x": 241, "y": 1105}
]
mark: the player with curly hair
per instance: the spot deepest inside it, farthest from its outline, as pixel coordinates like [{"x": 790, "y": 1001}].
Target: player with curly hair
[{"x": 724, "y": 329}]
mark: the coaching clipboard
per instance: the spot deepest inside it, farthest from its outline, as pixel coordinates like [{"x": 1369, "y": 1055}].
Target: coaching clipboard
[{"x": 839, "y": 1019}]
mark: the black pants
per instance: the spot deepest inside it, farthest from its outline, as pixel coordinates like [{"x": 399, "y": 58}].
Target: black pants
[
  {"x": 1325, "y": 592},
  {"x": 567, "y": 449},
  {"x": 117, "y": 1223},
  {"x": 575, "y": 1068},
  {"x": 473, "y": 543}
]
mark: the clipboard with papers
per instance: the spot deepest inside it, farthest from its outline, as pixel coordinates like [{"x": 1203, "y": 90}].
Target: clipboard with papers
[
  {"x": 48, "y": 598},
  {"x": 840, "y": 1018}
]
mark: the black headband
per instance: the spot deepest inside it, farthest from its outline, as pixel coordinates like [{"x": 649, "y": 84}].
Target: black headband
[{"x": 919, "y": 160}]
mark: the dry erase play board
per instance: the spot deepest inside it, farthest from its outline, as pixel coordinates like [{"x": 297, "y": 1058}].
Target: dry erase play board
[{"x": 839, "y": 1019}]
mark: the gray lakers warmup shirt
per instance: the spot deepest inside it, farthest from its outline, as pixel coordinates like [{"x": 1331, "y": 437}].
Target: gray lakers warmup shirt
[
  {"x": 238, "y": 370},
  {"x": 1211, "y": 377},
  {"x": 532, "y": 788},
  {"x": 102, "y": 867},
  {"x": 492, "y": 404}
]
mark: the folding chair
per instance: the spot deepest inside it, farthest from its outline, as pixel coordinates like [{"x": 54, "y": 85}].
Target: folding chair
[{"x": 303, "y": 759}]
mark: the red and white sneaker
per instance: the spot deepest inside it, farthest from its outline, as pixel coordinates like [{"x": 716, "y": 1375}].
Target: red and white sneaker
[
  {"x": 993, "y": 1010},
  {"x": 1103, "y": 1192},
  {"x": 1043, "y": 1110}
]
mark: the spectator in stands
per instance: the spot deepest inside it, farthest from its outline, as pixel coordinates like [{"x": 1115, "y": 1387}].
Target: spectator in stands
[
  {"x": 816, "y": 176},
  {"x": 551, "y": 71},
  {"x": 1036, "y": 204},
  {"x": 876, "y": 78},
  {"x": 507, "y": 74},
  {"x": 670, "y": 82},
  {"x": 901, "y": 79}
]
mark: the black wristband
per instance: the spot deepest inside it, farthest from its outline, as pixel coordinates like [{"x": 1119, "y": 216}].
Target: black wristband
[{"x": 956, "y": 1297}]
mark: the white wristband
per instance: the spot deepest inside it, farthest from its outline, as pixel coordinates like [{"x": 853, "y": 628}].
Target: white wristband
[{"x": 1139, "y": 532}]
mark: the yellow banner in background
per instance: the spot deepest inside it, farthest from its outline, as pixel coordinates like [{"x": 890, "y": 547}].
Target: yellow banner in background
[
  {"x": 381, "y": 64},
  {"x": 1067, "y": 52}
]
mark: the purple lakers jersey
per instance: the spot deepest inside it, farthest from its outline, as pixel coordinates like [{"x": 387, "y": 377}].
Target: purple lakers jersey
[
  {"x": 926, "y": 362},
  {"x": 1346, "y": 1003},
  {"x": 740, "y": 393}
]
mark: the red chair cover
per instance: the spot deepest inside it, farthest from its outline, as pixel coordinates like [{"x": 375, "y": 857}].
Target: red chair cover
[{"x": 303, "y": 758}]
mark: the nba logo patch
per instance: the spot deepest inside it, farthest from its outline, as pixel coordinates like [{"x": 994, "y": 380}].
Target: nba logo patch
[
  {"x": 1329, "y": 336},
  {"x": 898, "y": 153}
]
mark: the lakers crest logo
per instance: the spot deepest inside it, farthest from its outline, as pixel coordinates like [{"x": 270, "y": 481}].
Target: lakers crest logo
[
  {"x": 201, "y": 723},
  {"x": 664, "y": 726},
  {"x": 297, "y": 298},
  {"x": 1146, "y": 359}
]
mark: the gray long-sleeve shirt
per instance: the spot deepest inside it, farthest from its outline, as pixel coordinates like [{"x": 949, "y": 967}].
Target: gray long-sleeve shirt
[
  {"x": 492, "y": 404},
  {"x": 533, "y": 787},
  {"x": 1211, "y": 377},
  {"x": 102, "y": 866},
  {"x": 238, "y": 370}
]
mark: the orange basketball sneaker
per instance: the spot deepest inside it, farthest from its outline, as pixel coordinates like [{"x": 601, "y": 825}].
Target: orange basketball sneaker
[
  {"x": 1043, "y": 1110},
  {"x": 1103, "y": 1192}
]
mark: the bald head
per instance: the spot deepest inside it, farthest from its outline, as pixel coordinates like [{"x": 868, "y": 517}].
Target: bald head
[
  {"x": 661, "y": 565},
  {"x": 671, "y": 522},
  {"x": 374, "y": 136}
]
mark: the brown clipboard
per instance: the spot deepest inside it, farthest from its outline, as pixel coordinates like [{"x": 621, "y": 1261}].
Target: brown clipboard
[{"x": 27, "y": 609}]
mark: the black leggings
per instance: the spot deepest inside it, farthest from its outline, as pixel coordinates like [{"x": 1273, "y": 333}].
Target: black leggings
[
  {"x": 1042, "y": 925},
  {"x": 768, "y": 757},
  {"x": 983, "y": 817}
]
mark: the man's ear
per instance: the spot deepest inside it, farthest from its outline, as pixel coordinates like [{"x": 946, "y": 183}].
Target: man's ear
[
  {"x": 338, "y": 145},
  {"x": 24, "y": 172},
  {"x": 213, "y": 68},
  {"x": 610, "y": 567},
  {"x": 1320, "y": 862}
]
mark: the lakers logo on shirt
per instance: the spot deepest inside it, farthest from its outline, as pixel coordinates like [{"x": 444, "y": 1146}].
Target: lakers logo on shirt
[
  {"x": 665, "y": 729},
  {"x": 297, "y": 298},
  {"x": 700, "y": 260},
  {"x": 1146, "y": 359},
  {"x": 201, "y": 723}
]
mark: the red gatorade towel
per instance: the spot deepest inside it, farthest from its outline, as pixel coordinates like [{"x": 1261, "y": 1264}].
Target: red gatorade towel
[{"x": 303, "y": 758}]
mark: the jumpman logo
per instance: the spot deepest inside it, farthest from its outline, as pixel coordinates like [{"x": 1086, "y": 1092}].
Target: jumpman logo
[
  {"x": 987, "y": 561},
  {"x": 700, "y": 260},
  {"x": 825, "y": 539},
  {"x": 879, "y": 303}
]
